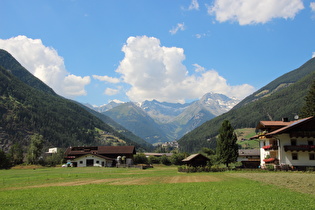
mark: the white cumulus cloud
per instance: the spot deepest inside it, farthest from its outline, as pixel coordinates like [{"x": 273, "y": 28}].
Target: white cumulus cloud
[
  {"x": 106, "y": 79},
  {"x": 312, "y": 6},
  {"x": 45, "y": 63},
  {"x": 157, "y": 72},
  {"x": 254, "y": 11},
  {"x": 179, "y": 26},
  {"x": 313, "y": 56}
]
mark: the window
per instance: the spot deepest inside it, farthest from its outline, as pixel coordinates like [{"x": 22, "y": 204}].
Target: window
[
  {"x": 312, "y": 156},
  {"x": 310, "y": 142},
  {"x": 293, "y": 142},
  {"x": 294, "y": 156},
  {"x": 97, "y": 161},
  {"x": 81, "y": 162}
]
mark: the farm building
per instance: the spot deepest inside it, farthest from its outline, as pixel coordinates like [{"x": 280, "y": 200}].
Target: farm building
[
  {"x": 287, "y": 143},
  {"x": 250, "y": 158},
  {"x": 196, "y": 160},
  {"x": 102, "y": 156}
]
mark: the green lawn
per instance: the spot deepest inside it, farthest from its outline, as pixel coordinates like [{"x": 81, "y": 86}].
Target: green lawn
[{"x": 157, "y": 188}]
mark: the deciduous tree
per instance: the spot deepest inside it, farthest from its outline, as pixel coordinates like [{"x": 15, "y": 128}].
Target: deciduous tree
[{"x": 35, "y": 149}]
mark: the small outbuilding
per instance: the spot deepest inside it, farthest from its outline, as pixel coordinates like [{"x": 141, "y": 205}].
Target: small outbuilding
[{"x": 196, "y": 160}]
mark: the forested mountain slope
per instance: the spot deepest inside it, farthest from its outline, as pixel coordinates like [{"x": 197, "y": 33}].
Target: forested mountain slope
[
  {"x": 137, "y": 121},
  {"x": 27, "y": 110},
  {"x": 123, "y": 131},
  {"x": 8, "y": 62},
  {"x": 286, "y": 101}
]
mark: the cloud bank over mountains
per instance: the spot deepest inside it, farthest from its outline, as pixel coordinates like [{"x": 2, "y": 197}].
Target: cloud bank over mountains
[
  {"x": 157, "y": 72},
  {"x": 148, "y": 71}
]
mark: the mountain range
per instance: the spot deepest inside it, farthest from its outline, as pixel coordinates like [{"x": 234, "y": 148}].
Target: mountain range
[
  {"x": 281, "y": 98},
  {"x": 158, "y": 122},
  {"x": 28, "y": 107}
]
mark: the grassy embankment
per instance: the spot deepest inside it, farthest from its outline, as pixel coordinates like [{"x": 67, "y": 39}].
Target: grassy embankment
[{"x": 157, "y": 188}]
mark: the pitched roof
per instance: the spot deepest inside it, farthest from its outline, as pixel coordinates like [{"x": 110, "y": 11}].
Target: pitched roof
[
  {"x": 291, "y": 126},
  {"x": 265, "y": 124},
  {"x": 101, "y": 150},
  {"x": 116, "y": 150},
  {"x": 191, "y": 157}
]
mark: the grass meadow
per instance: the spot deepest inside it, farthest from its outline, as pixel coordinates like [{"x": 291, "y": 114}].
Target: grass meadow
[{"x": 158, "y": 188}]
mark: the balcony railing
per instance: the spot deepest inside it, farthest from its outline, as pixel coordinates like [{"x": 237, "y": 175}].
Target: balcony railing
[
  {"x": 299, "y": 148},
  {"x": 270, "y": 147}
]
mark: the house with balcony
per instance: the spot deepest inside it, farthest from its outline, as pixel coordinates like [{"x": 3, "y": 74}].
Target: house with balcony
[{"x": 287, "y": 144}]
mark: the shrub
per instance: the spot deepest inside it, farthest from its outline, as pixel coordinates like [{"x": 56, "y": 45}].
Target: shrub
[
  {"x": 154, "y": 160},
  {"x": 140, "y": 159},
  {"x": 165, "y": 160},
  {"x": 177, "y": 158},
  {"x": 191, "y": 169}
]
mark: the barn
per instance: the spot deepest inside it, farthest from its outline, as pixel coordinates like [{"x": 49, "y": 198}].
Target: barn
[{"x": 196, "y": 160}]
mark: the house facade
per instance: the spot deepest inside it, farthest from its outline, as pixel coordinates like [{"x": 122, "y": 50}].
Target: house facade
[
  {"x": 250, "y": 158},
  {"x": 287, "y": 144},
  {"x": 101, "y": 156}
]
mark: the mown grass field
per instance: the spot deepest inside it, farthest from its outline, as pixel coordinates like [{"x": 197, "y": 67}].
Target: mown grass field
[{"x": 157, "y": 188}]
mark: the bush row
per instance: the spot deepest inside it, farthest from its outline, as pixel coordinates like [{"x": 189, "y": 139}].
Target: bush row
[{"x": 192, "y": 169}]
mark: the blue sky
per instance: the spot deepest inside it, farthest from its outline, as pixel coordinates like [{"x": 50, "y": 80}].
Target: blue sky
[{"x": 175, "y": 51}]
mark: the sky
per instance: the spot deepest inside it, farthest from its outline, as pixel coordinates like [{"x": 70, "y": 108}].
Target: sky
[{"x": 175, "y": 51}]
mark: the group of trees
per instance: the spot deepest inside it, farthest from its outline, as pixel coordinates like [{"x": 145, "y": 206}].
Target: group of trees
[
  {"x": 34, "y": 155},
  {"x": 175, "y": 159}
]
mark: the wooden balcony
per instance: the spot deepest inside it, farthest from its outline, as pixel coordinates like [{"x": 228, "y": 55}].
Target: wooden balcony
[
  {"x": 270, "y": 147},
  {"x": 303, "y": 148}
]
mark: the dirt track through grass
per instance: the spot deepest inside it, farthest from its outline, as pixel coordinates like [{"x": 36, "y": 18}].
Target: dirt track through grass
[{"x": 128, "y": 181}]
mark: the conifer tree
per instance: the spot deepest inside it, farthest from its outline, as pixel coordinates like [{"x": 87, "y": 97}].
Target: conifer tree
[
  {"x": 227, "y": 148},
  {"x": 309, "y": 108}
]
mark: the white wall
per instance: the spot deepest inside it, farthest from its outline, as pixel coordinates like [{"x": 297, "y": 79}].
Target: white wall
[
  {"x": 95, "y": 158},
  {"x": 303, "y": 157}
]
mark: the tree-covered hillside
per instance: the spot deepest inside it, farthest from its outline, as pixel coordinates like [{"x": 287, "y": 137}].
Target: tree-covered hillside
[
  {"x": 8, "y": 62},
  {"x": 280, "y": 102},
  {"x": 27, "y": 110}
]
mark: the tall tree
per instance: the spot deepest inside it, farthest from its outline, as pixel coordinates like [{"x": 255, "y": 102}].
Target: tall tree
[
  {"x": 35, "y": 149},
  {"x": 227, "y": 148},
  {"x": 309, "y": 108}
]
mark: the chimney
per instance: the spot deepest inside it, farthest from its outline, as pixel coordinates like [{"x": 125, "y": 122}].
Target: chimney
[{"x": 285, "y": 119}]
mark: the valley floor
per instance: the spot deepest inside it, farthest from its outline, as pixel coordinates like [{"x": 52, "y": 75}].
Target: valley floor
[{"x": 161, "y": 187}]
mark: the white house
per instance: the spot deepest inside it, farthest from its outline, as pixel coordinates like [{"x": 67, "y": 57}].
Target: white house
[
  {"x": 102, "y": 156},
  {"x": 287, "y": 143}
]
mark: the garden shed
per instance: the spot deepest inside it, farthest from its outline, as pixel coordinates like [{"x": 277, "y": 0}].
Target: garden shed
[{"x": 196, "y": 160}]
